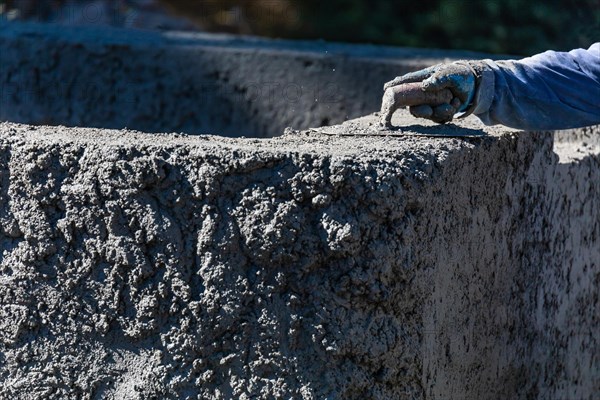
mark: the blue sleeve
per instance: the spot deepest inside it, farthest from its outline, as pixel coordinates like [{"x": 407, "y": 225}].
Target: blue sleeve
[{"x": 552, "y": 90}]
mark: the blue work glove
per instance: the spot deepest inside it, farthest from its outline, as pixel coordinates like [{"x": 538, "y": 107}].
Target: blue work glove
[{"x": 459, "y": 77}]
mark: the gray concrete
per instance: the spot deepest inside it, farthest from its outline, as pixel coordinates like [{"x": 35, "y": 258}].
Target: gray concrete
[
  {"x": 192, "y": 83},
  {"x": 139, "y": 266}
]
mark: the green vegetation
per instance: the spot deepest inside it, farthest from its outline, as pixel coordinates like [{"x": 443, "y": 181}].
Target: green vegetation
[
  {"x": 518, "y": 27},
  {"x": 496, "y": 26}
]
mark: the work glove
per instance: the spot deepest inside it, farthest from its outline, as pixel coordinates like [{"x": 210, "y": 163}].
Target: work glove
[{"x": 458, "y": 78}]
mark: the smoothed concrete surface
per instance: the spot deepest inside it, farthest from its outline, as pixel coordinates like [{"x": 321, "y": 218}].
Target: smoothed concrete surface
[
  {"x": 190, "y": 82},
  {"x": 138, "y": 266}
]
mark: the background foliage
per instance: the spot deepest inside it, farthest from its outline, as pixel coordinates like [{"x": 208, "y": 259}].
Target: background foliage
[
  {"x": 497, "y": 26},
  {"x": 520, "y": 27}
]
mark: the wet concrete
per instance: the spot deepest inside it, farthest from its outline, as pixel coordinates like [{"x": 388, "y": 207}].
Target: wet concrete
[{"x": 309, "y": 266}]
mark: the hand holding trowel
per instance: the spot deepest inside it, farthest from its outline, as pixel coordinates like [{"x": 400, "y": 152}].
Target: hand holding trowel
[{"x": 438, "y": 93}]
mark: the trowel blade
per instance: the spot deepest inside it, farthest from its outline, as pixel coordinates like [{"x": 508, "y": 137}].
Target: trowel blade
[
  {"x": 371, "y": 126},
  {"x": 336, "y": 131},
  {"x": 383, "y": 132}
]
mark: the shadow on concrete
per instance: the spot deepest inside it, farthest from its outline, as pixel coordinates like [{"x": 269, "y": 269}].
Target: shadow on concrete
[{"x": 514, "y": 283}]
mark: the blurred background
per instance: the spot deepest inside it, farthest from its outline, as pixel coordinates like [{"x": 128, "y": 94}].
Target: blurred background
[{"x": 518, "y": 27}]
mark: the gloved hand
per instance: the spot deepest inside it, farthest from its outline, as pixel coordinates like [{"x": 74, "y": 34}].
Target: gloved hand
[{"x": 458, "y": 77}]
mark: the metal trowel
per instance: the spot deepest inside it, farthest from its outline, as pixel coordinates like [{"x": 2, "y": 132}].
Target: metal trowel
[{"x": 406, "y": 95}]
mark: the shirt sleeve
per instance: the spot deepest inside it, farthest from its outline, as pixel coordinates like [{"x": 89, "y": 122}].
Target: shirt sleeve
[{"x": 552, "y": 90}]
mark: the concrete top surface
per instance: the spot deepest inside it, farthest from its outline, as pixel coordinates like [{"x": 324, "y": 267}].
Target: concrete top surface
[{"x": 355, "y": 138}]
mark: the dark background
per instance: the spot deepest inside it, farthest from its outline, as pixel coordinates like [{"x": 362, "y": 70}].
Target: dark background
[
  {"x": 519, "y": 27},
  {"x": 497, "y": 26}
]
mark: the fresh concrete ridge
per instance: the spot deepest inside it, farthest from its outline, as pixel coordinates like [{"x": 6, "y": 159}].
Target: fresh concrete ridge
[{"x": 138, "y": 266}]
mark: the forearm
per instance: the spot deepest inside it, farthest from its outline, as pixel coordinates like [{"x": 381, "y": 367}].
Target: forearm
[{"x": 549, "y": 91}]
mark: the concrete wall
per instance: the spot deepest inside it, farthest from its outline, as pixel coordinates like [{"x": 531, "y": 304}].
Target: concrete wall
[
  {"x": 138, "y": 266},
  {"x": 192, "y": 83}
]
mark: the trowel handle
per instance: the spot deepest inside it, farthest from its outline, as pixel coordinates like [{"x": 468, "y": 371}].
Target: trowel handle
[{"x": 412, "y": 94}]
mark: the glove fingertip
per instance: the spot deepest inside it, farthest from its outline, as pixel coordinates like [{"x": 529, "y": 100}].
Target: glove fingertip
[
  {"x": 431, "y": 84},
  {"x": 392, "y": 83}
]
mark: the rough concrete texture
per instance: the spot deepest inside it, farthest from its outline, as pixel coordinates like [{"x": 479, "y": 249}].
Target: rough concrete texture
[
  {"x": 138, "y": 266},
  {"x": 191, "y": 83}
]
